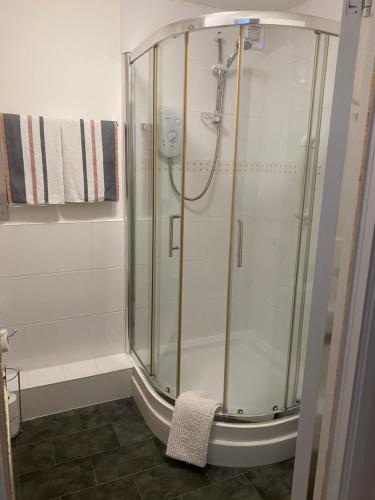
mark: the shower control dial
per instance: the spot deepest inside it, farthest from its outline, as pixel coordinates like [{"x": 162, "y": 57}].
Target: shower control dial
[{"x": 170, "y": 133}]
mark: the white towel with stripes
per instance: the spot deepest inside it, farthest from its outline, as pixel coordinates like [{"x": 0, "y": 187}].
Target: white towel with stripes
[
  {"x": 90, "y": 157},
  {"x": 189, "y": 434},
  {"x": 32, "y": 156}
]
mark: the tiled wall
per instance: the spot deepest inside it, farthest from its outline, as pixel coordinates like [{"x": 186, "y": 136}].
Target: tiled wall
[
  {"x": 62, "y": 286},
  {"x": 61, "y": 267}
]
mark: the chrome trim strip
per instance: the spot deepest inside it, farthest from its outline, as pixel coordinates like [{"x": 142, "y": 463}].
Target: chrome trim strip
[
  {"x": 129, "y": 168},
  {"x": 301, "y": 221},
  {"x": 231, "y": 228},
  {"x": 182, "y": 214},
  {"x": 221, "y": 19},
  {"x": 310, "y": 211}
]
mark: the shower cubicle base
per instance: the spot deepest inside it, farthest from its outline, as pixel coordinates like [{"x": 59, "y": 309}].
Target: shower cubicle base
[{"x": 231, "y": 444}]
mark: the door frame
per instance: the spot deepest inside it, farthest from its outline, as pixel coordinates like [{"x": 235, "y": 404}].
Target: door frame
[{"x": 307, "y": 451}]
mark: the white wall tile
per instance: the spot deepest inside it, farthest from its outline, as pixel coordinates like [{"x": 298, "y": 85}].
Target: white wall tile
[
  {"x": 194, "y": 276},
  {"x": 10, "y": 301},
  {"x": 50, "y": 375},
  {"x": 168, "y": 282},
  {"x": 195, "y": 238},
  {"x": 74, "y": 246},
  {"x": 215, "y": 316},
  {"x": 28, "y": 249},
  {"x": 39, "y": 244},
  {"x": 142, "y": 339},
  {"x": 77, "y": 339},
  {"x": 30, "y": 299},
  {"x": 215, "y": 278},
  {"x": 108, "y": 289},
  {"x": 45, "y": 345},
  {"x": 108, "y": 334},
  {"x": 216, "y": 237},
  {"x": 142, "y": 286},
  {"x": 77, "y": 291},
  {"x": 193, "y": 319},
  {"x": 108, "y": 244},
  {"x": 11, "y": 250},
  {"x": 79, "y": 369}
]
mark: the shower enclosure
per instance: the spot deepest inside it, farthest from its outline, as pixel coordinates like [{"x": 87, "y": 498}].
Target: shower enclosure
[{"x": 227, "y": 121}]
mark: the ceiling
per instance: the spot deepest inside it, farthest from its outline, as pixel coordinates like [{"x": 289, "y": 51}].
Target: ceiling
[{"x": 278, "y": 5}]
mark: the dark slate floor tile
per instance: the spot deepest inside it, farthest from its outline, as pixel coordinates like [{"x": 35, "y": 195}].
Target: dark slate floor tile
[
  {"x": 122, "y": 489},
  {"x": 274, "y": 482},
  {"x": 32, "y": 457},
  {"x": 57, "y": 480},
  {"x": 169, "y": 481},
  {"x": 131, "y": 430},
  {"x": 84, "y": 443},
  {"x": 171, "y": 461},
  {"x": 231, "y": 489},
  {"x": 217, "y": 474},
  {"x": 44, "y": 428},
  {"x": 125, "y": 460},
  {"x": 107, "y": 413}
]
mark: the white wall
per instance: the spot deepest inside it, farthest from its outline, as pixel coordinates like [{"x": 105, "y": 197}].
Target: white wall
[
  {"x": 62, "y": 269},
  {"x": 322, "y": 8},
  {"x": 142, "y": 18}
]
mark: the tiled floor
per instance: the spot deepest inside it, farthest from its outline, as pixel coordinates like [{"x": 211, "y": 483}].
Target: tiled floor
[{"x": 106, "y": 452}]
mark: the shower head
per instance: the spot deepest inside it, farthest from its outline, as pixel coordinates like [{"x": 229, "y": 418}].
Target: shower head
[{"x": 247, "y": 44}]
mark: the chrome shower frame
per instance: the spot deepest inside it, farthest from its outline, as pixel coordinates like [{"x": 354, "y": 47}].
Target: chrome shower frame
[{"x": 218, "y": 20}]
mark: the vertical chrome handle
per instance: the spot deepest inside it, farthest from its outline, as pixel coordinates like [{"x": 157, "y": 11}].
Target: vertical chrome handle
[
  {"x": 171, "y": 235},
  {"x": 239, "y": 242}
]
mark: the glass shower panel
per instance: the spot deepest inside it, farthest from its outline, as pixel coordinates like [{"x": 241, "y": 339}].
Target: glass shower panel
[
  {"x": 306, "y": 218},
  {"x": 209, "y": 133},
  {"x": 273, "y": 122},
  {"x": 142, "y": 70},
  {"x": 319, "y": 183},
  {"x": 169, "y": 141}
]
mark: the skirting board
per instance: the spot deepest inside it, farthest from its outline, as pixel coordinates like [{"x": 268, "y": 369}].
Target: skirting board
[{"x": 77, "y": 393}]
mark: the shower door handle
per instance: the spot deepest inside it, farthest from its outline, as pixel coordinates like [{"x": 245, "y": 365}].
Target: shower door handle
[
  {"x": 171, "y": 234},
  {"x": 239, "y": 242}
]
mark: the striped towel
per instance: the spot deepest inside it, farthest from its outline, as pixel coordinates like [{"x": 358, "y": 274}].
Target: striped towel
[
  {"x": 32, "y": 155},
  {"x": 90, "y": 153}
]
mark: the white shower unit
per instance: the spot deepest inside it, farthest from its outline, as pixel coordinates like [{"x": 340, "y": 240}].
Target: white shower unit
[{"x": 227, "y": 125}]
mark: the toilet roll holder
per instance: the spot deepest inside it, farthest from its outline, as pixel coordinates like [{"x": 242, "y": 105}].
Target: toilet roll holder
[{"x": 11, "y": 374}]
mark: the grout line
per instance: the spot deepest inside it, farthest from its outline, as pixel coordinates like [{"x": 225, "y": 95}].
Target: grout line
[
  {"x": 52, "y": 450},
  {"x": 253, "y": 486},
  {"x": 212, "y": 484},
  {"x": 93, "y": 470},
  {"x": 53, "y": 321},
  {"x": 136, "y": 486},
  {"x": 57, "y": 273},
  {"x": 115, "y": 433}
]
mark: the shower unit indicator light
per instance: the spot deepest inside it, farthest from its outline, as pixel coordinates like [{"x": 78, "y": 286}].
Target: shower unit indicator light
[{"x": 247, "y": 20}]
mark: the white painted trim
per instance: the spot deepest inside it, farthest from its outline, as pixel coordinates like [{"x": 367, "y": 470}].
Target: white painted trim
[
  {"x": 347, "y": 403},
  {"x": 340, "y": 117},
  {"x": 353, "y": 161}
]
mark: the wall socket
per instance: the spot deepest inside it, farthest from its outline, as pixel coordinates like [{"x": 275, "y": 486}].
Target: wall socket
[{"x": 4, "y": 207}]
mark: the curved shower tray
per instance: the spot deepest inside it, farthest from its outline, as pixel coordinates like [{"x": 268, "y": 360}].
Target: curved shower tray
[{"x": 232, "y": 444}]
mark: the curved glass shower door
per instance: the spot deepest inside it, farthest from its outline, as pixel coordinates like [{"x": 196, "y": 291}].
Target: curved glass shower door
[
  {"x": 169, "y": 117},
  {"x": 277, "y": 91},
  {"x": 142, "y": 208},
  {"x": 228, "y": 132}
]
